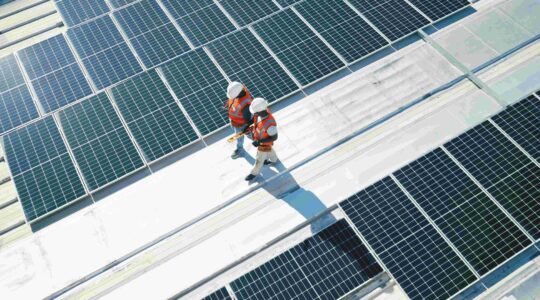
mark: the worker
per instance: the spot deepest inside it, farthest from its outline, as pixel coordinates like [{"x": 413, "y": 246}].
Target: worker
[
  {"x": 239, "y": 114},
  {"x": 263, "y": 134}
]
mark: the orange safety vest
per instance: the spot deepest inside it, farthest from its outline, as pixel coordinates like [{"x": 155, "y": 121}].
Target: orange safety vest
[
  {"x": 236, "y": 106},
  {"x": 260, "y": 131}
]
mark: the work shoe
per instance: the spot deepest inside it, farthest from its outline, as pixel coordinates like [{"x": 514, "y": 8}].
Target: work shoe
[
  {"x": 250, "y": 177},
  {"x": 236, "y": 154},
  {"x": 268, "y": 162}
]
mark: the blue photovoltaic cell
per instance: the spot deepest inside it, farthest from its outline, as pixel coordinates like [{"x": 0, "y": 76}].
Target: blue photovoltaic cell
[
  {"x": 151, "y": 33},
  {"x": 101, "y": 145},
  {"x": 416, "y": 255},
  {"x": 438, "y": 9},
  {"x": 394, "y": 18},
  {"x": 43, "y": 172},
  {"x": 200, "y": 87},
  {"x": 325, "y": 266},
  {"x": 156, "y": 121},
  {"x": 105, "y": 55},
  {"x": 16, "y": 108},
  {"x": 487, "y": 154},
  {"x": 342, "y": 27},
  {"x": 252, "y": 65},
  {"x": 248, "y": 11},
  {"x": 201, "y": 20},
  {"x": 54, "y": 73},
  {"x": 220, "y": 294},
  {"x": 10, "y": 74},
  {"x": 521, "y": 122},
  {"x": 472, "y": 222},
  {"x": 519, "y": 194},
  {"x": 77, "y": 11},
  {"x": 302, "y": 52},
  {"x": 285, "y": 3}
]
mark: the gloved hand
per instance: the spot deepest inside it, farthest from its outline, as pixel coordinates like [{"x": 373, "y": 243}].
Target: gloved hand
[{"x": 256, "y": 144}]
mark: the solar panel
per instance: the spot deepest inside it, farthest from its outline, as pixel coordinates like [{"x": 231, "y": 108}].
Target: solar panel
[
  {"x": 120, "y": 3},
  {"x": 474, "y": 224},
  {"x": 425, "y": 266},
  {"x": 43, "y": 172},
  {"x": 438, "y": 9},
  {"x": 248, "y": 11},
  {"x": 16, "y": 108},
  {"x": 285, "y": 3},
  {"x": 520, "y": 196},
  {"x": 10, "y": 73},
  {"x": 335, "y": 261},
  {"x": 437, "y": 183},
  {"x": 384, "y": 205},
  {"x": 103, "y": 51},
  {"x": 101, "y": 145},
  {"x": 325, "y": 266},
  {"x": 345, "y": 30},
  {"x": 416, "y": 255},
  {"x": 487, "y": 154},
  {"x": 151, "y": 33},
  {"x": 200, "y": 87},
  {"x": 221, "y": 294},
  {"x": 302, "y": 52},
  {"x": 252, "y": 65},
  {"x": 394, "y": 18},
  {"x": 521, "y": 121},
  {"x": 201, "y": 20},
  {"x": 54, "y": 73},
  {"x": 77, "y": 11},
  {"x": 157, "y": 123}
]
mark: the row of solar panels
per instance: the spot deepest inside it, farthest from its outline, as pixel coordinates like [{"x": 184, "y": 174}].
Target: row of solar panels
[
  {"x": 129, "y": 117},
  {"x": 438, "y": 225}
]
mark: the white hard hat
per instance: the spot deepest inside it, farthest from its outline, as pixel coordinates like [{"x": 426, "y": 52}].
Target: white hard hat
[
  {"x": 234, "y": 89},
  {"x": 258, "y": 105}
]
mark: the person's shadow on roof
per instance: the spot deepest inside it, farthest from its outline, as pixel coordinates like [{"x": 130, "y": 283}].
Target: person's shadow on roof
[{"x": 287, "y": 189}]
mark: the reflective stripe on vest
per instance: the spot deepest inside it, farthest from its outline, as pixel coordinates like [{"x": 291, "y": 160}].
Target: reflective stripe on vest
[{"x": 261, "y": 128}]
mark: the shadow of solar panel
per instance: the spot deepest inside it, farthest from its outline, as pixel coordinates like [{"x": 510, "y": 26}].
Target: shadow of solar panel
[
  {"x": 394, "y": 18},
  {"x": 326, "y": 266},
  {"x": 153, "y": 36},
  {"x": 10, "y": 74},
  {"x": 487, "y": 154},
  {"x": 416, "y": 255},
  {"x": 302, "y": 52},
  {"x": 54, "y": 73},
  {"x": 16, "y": 108},
  {"x": 521, "y": 122},
  {"x": 200, "y": 87},
  {"x": 101, "y": 145},
  {"x": 220, "y": 294},
  {"x": 426, "y": 267},
  {"x": 335, "y": 261},
  {"x": 345, "y": 30},
  {"x": 437, "y": 183},
  {"x": 244, "y": 59},
  {"x": 519, "y": 194},
  {"x": 157, "y": 123},
  {"x": 77, "y": 11},
  {"x": 201, "y": 21},
  {"x": 383, "y": 214},
  {"x": 43, "y": 172},
  {"x": 105, "y": 55},
  {"x": 248, "y": 11},
  {"x": 438, "y": 9}
]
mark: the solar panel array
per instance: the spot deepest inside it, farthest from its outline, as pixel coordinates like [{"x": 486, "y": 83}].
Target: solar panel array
[
  {"x": 221, "y": 294},
  {"x": 451, "y": 217},
  {"x": 198, "y": 47},
  {"x": 327, "y": 265}
]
